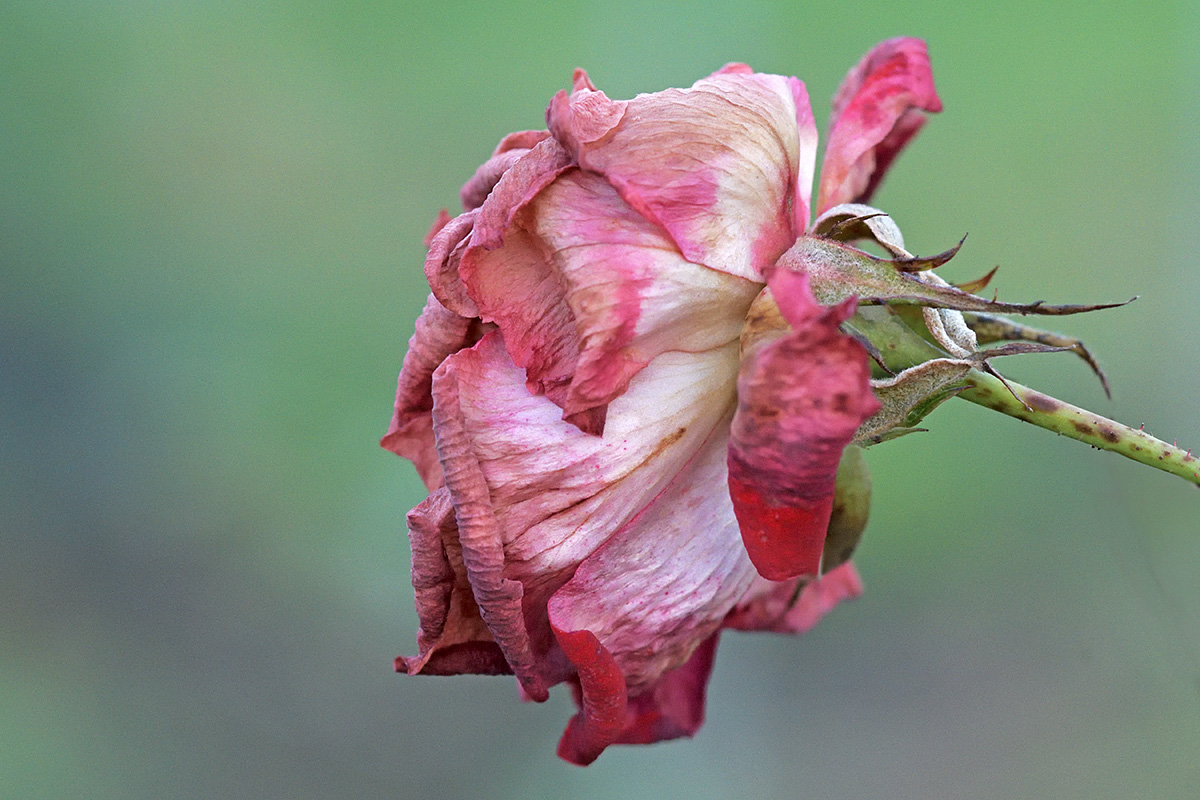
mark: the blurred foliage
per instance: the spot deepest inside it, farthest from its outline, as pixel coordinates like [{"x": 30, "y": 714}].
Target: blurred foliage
[{"x": 210, "y": 250}]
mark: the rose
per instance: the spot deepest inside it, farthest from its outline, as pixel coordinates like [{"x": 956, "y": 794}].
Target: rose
[{"x": 625, "y": 450}]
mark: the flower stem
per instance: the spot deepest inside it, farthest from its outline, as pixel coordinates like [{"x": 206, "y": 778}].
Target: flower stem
[
  {"x": 1078, "y": 423},
  {"x": 899, "y": 347}
]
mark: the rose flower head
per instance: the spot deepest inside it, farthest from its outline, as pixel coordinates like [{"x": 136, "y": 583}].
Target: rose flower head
[{"x": 641, "y": 386}]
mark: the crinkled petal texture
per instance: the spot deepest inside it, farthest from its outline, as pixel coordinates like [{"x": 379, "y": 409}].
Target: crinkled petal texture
[
  {"x": 439, "y": 333},
  {"x": 716, "y": 165},
  {"x": 534, "y": 496},
  {"x": 801, "y": 397},
  {"x": 876, "y": 111}
]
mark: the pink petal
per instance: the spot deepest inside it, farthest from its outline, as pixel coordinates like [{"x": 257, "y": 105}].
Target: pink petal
[
  {"x": 631, "y": 293},
  {"x": 509, "y": 279},
  {"x": 876, "y": 111},
  {"x": 446, "y": 248},
  {"x": 587, "y": 292},
  {"x": 715, "y": 166},
  {"x": 665, "y": 581},
  {"x": 771, "y": 606},
  {"x": 800, "y": 399},
  {"x": 603, "y": 699},
  {"x": 453, "y": 639},
  {"x": 535, "y": 496},
  {"x": 806, "y": 128},
  {"x": 510, "y": 150},
  {"x": 648, "y": 598},
  {"x": 439, "y": 333},
  {"x": 443, "y": 217},
  {"x": 671, "y": 708}
]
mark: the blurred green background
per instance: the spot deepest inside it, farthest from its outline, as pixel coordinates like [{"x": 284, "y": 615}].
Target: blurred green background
[{"x": 211, "y": 217}]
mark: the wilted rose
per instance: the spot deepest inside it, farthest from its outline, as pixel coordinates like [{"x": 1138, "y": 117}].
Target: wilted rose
[{"x": 619, "y": 463}]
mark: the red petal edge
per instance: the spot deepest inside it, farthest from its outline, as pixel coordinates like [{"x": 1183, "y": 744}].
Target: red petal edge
[
  {"x": 672, "y": 708},
  {"x": 601, "y": 718},
  {"x": 801, "y": 397}
]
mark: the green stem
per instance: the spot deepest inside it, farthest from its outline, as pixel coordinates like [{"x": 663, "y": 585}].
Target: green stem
[
  {"x": 1079, "y": 423},
  {"x": 900, "y": 348}
]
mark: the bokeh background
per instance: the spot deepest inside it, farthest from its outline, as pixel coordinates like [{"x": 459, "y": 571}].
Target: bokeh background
[{"x": 211, "y": 217}]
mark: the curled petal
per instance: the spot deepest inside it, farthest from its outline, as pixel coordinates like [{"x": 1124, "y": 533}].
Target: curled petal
[
  {"x": 674, "y": 705},
  {"x": 800, "y": 399},
  {"x": 479, "y": 535},
  {"x": 443, "y": 217},
  {"x": 535, "y": 496},
  {"x": 602, "y": 701},
  {"x": 779, "y": 608},
  {"x": 453, "y": 639},
  {"x": 876, "y": 111},
  {"x": 715, "y": 165},
  {"x": 439, "y": 333},
  {"x": 508, "y": 152},
  {"x": 446, "y": 247},
  {"x": 510, "y": 281},
  {"x": 671, "y": 708}
]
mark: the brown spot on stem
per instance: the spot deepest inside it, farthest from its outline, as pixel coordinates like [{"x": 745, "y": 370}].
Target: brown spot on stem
[
  {"x": 1040, "y": 402},
  {"x": 1083, "y": 427},
  {"x": 1109, "y": 435}
]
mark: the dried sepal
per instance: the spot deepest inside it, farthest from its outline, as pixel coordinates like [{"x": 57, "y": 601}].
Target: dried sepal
[
  {"x": 851, "y": 222},
  {"x": 837, "y": 271},
  {"x": 909, "y": 397},
  {"x": 979, "y": 284},
  {"x": 925, "y": 263}
]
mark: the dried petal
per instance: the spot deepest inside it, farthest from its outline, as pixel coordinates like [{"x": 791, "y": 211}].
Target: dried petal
[
  {"x": 453, "y": 638},
  {"x": 439, "y": 333},
  {"x": 716, "y": 166},
  {"x": 508, "y": 152},
  {"x": 681, "y": 569},
  {"x": 876, "y": 111},
  {"x": 794, "y": 606}
]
